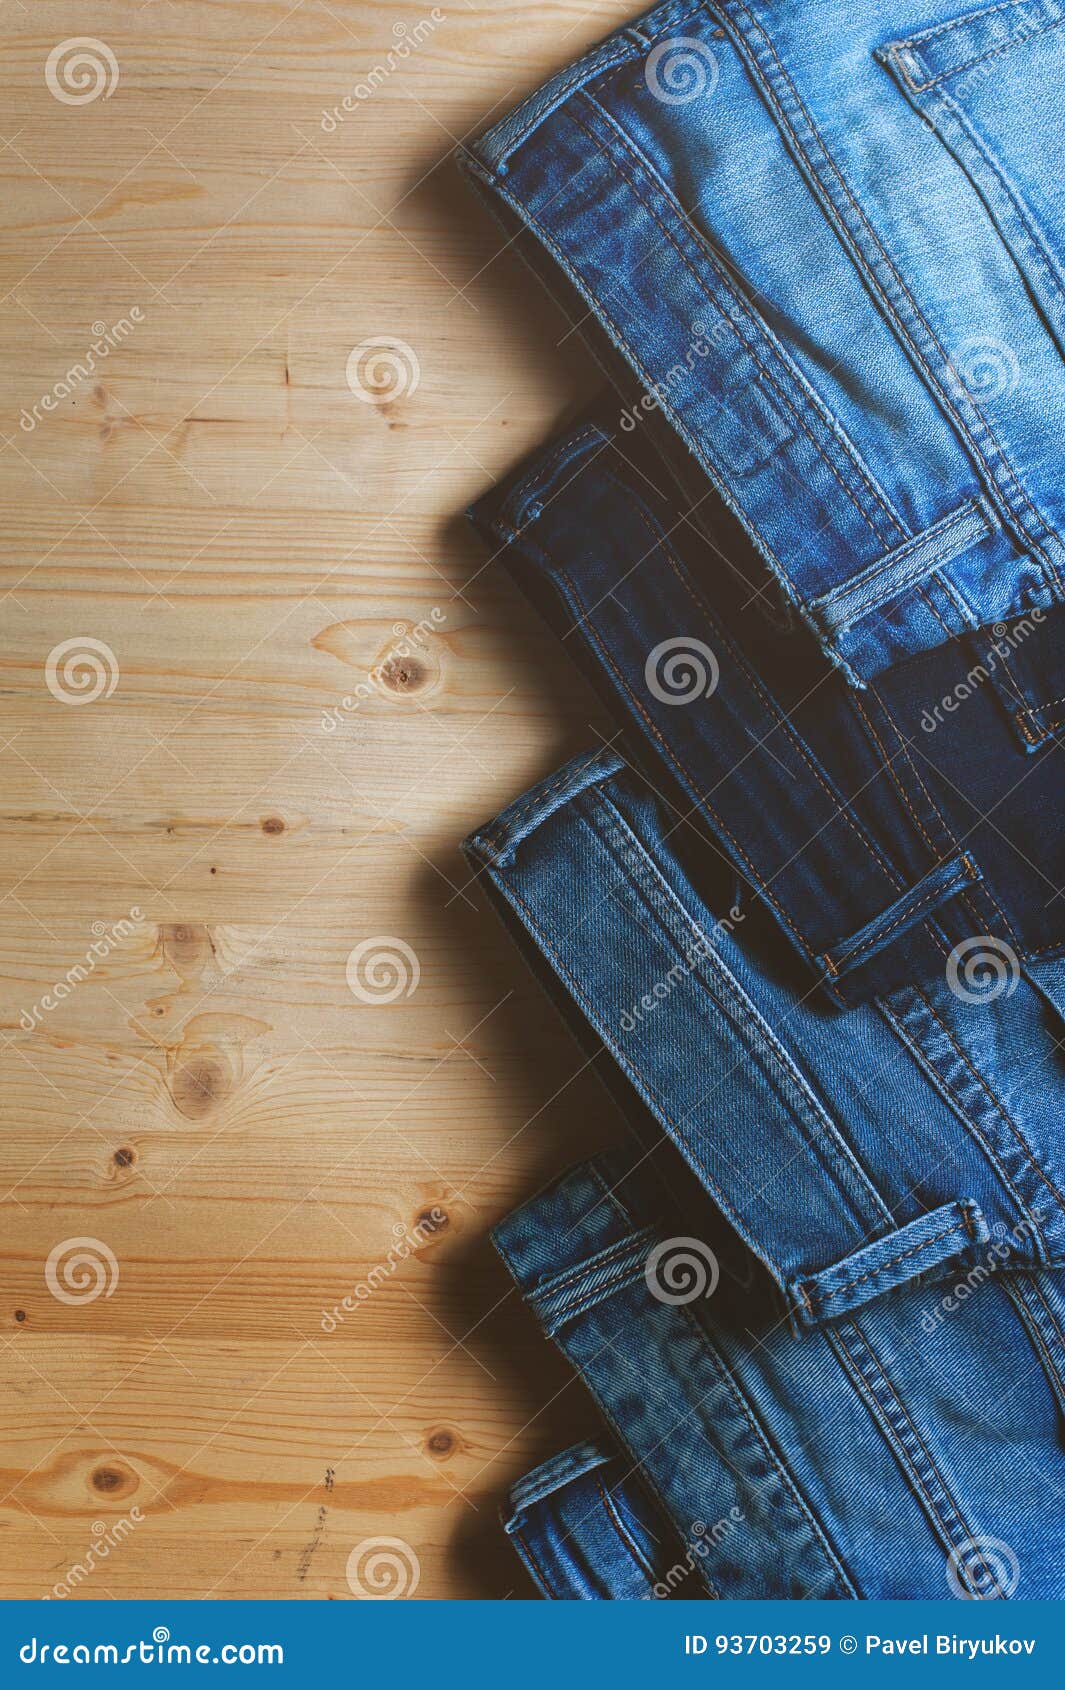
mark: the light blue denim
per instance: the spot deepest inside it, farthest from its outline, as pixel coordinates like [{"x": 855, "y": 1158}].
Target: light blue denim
[
  {"x": 820, "y": 247},
  {"x": 874, "y": 1378}
]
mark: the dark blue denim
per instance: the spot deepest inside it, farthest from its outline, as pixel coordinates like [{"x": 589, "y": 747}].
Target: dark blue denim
[
  {"x": 826, "y": 243},
  {"x": 863, "y": 1394},
  {"x": 898, "y": 831}
]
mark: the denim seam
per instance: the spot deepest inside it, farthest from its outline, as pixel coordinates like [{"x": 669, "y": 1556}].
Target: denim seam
[
  {"x": 910, "y": 46},
  {"x": 763, "y": 335},
  {"x": 909, "y": 1446},
  {"x": 498, "y": 840},
  {"x": 845, "y": 959},
  {"x": 750, "y": 674},
  {"x": 947, "y": 830},
  {"x": 571, "y": 1279},
  {"x": 785, "y": 1477},
  {"x": 888, "y": 765},
  {"x": 920, "y": 556},
  {"x": 581, "y": 1301},
  {"x": 633, "y": 1074},
  {"x": 1032, "y": 1320},
  {"x": 939, "y": 29},
  {"x": 1052, "y": 579},
  {"x": 673, "y": 758},
  {"x": 1033, "y": 243},
  {"x": 820, "y": 1298},
  {"x": 611, "y": 1510},
  {"x": 545, "y": 472},
  {"x": 597, "y": 308},
  {"x": 918, "y": 1045},
  {"x": 982, "y": 1081},
  {"x": 545, "y": 1583},
  {"x": 777, "y": 377},
  {"x": 794, "y": 1089}
]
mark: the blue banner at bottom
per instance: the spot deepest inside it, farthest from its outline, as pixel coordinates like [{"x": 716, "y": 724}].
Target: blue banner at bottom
[{"x": 535, "y": 1644}]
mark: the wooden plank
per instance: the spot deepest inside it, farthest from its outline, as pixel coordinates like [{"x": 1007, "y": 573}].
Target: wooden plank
[{"x": 240, "y": 544}]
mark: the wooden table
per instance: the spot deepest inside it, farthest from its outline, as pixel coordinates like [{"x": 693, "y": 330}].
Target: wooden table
[{"x": 210, "y": 538}]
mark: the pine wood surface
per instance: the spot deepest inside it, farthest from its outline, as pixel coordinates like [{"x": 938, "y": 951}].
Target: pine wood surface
[{"x": 239, "y": 536}]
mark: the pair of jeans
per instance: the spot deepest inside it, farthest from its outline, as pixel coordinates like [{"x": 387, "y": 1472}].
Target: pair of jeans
[
  {"x": 807, "y": 917},
  {"x": 895, "y": 830},
  {"x": 824, "y": 1328},
  {"x": 828, "y": 242}
]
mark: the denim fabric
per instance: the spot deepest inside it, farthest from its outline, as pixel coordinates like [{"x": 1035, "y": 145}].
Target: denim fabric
[
  {"x": 903, "y": 831},
  {"x": 827, "y": 242},
  {"x": 587, "y": 1531},
  {"x": 875, "y": 1383}
]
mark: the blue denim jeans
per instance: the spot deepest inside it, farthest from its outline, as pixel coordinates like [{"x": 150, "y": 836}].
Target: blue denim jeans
[
  {"x": 866, "y": 1381},
  {"x": 826, "y": 243},
  {"x": 907, "y": 830}
]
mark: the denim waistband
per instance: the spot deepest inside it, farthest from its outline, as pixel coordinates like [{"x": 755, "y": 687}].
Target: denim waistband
[
  {"x": 847, "y": 311},
  {"x": 588, "y": 1530},
  {"x": 853, "y": 1151},
  {"x": 782, "y": 1456},
  {"x": 889, "y": 836}
]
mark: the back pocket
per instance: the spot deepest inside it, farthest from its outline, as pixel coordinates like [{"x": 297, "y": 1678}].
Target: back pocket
[{"x": 992, "y": 86}]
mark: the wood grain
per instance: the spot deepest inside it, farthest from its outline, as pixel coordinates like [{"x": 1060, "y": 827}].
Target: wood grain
[{"x": 243, "y": 541}]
